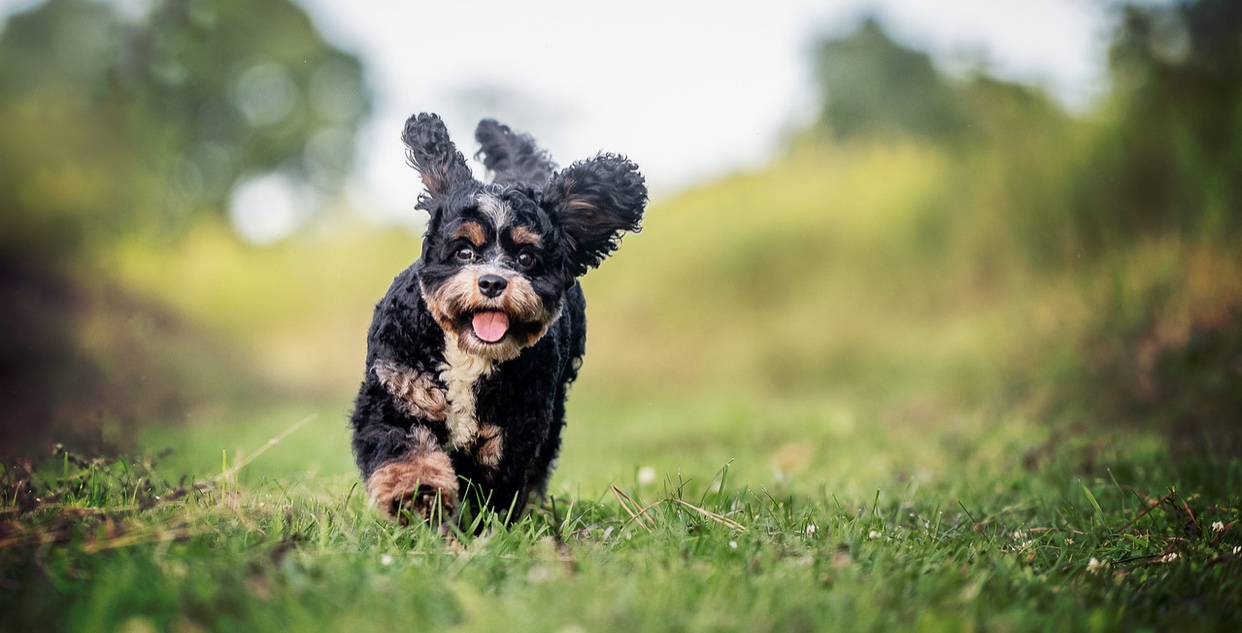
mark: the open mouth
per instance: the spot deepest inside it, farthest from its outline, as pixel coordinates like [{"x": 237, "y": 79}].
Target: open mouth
[{"x": 490, "y": 325}]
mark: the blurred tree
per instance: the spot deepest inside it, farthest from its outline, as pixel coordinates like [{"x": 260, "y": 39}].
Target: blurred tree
[
  {"x": 1173, "y": 158},
  {"x": 872, "y": 87},
  {"x": 1011, "y": 141},
  {"x": 113, "y": 124}
]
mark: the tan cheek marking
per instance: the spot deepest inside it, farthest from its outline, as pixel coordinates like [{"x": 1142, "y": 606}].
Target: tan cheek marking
[
  {"x": 416, "y": 392},
  {"x": 522, "y": 301},
  {"x": 451, "y": 298},
  {"x": 459, "y": 295}
]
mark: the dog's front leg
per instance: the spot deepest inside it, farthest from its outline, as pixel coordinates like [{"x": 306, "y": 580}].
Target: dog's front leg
[{"x": 407, "y": 472}]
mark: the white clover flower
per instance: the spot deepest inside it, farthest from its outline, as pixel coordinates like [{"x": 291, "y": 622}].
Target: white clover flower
[
  {"x": 646, "y": 476},
  {"x": 732, "y": 544},
  {"x": 1168, "y": 558},
  {"x": 386, "y": 560},
  {"x": 874, "y": 534},
  {"x": 811, "y": 529},
  {"x": 1218, "y": 526},
  {"x": 1095, "y": 566}
]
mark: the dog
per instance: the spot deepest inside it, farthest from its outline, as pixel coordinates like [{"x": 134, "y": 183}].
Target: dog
[{"x": 471, "y": 352}]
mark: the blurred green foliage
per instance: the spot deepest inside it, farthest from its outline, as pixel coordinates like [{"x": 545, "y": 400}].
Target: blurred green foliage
[
  {"x": 115, "y": 126},
  {"x": 1122, "y": 225},
  {"x": 933, "y": 240},
  {"x": 1169, "y": 157},
  {"x": 1163, "y": 154},
  {"x": 872, "y": 87},
  {"x": 112, "y": 125}
]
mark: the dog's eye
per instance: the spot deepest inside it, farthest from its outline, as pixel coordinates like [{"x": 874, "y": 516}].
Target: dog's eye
[
  {"x": 526, "y": 260},
  {"x": 465, "y": 254}
]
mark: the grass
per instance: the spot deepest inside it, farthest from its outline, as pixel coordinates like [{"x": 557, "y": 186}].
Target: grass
[
  {"x": 832, "y": 415},
  {"x": 1074, "y": 536}
]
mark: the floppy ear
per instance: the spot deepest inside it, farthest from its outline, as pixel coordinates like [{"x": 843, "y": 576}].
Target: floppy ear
[
  {"x": 512, "y": 156},
  {"x": 430, "y": 151},
  {"x": 596, "y": 201}
]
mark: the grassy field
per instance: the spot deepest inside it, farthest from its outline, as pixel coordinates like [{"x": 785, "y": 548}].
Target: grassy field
[{"x": 817, "y": 397}]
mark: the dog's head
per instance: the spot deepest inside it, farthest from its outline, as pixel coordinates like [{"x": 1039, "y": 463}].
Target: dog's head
[{"x": 497, "y": 258}]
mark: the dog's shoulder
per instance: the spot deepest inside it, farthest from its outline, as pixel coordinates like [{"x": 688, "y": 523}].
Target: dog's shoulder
[{"x": 402, "y": 328}]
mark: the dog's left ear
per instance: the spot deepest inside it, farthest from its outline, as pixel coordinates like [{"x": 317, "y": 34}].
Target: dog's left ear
[
  {"x": 596, "y": 201},
  {"x": 432, "y": 153}
]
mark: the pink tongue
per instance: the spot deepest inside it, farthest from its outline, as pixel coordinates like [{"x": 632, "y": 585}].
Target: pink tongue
[{"x": 491, "y": 326}]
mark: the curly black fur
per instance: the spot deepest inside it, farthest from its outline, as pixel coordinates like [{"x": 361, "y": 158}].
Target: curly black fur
[
  {"x": 476, "y": 343},
  {"x": 512, "y": 157}
]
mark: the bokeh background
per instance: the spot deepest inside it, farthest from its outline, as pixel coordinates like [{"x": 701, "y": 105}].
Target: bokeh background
[{"x": 867, "y": 221}]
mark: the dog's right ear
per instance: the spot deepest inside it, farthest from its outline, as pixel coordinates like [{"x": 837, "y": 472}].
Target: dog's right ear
[{"x": 431, "y": 152}]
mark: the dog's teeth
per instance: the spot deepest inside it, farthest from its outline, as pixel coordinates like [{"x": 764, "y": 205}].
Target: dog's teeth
[{"x": 491, "y": 326}]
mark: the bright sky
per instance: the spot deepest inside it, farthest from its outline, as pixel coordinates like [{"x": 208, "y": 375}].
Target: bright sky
[{"x": 689, "y": 90}]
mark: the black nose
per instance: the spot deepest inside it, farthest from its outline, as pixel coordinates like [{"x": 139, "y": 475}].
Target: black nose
[{"x": 492, "y": 285}]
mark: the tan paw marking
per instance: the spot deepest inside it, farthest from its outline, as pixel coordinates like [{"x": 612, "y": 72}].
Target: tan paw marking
[
  {"x": 489, "y": 448},
  {"x": 424, "y": 484}
]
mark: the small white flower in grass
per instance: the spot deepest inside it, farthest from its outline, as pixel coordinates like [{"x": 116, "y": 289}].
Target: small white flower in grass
[
  {"x": 646, "y": 476},
  {"x": 1019, "y": 535},
  {"x": 386, "y": 560},
  {"x": 875, "y": 534},
  {"x": 1168, "y": 558},
  {"x": 811, "y": 529},
  {"x": 732, "y": 544},
  {"x": 1218, "y": 526},
  {"x": 1095, "y": 566},
  {"x": 1237, "y": 549}
]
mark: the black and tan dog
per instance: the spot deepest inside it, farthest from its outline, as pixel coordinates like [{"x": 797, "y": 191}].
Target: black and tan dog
[{"x": 471, "y": 352}]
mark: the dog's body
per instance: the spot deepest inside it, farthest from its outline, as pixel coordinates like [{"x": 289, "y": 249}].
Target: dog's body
[{"x": 472, "y": 350}]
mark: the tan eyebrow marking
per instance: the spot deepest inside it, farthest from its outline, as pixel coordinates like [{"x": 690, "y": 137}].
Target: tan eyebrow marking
[
  {"x": 472, "y": 231},
  {"x": 523, "y": 235}
]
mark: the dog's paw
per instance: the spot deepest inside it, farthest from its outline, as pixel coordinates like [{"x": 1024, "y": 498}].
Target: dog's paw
[{"x": 422, "y": 485}]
